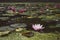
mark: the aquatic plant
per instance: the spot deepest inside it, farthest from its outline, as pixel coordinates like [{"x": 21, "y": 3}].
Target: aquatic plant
[{"x": 38, "y": 27}]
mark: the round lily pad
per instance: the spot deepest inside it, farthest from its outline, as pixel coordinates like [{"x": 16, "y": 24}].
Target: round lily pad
[
  {"x": 28, "y": 34},
  {"x": 4, "y": 18},
  {"x": 18, "y": 25},
  {"x": 6, "y": 28},
  {"x": 4, "y": 33}
]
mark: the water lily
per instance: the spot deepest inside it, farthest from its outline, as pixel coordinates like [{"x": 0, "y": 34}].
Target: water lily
[
  {"x": 12, "y": 8},
  {"x": 57, "y": 6},
  {"x": 37, "y": 27},
  {"x": 21, "y": 10}
]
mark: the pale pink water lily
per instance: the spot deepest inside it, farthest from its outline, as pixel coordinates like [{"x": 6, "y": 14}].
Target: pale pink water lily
[
  {"x": 12, "y": 8},
  {"x": 38, "y": 27}
]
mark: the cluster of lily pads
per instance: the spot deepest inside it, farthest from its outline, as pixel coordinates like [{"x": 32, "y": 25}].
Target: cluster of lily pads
[
  {"x": 30, "y": 9},
  {"x": 16, "y": 13},
  {"x": 11, "y": 28}
]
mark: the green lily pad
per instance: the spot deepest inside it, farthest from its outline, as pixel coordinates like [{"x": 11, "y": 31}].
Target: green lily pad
[
  {"x": 18, "y": 25},
  {"x": 58, "y": 25},
  {"x": 4, "y": 33}
]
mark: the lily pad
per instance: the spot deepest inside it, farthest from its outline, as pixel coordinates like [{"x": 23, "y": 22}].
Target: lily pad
[
  {"x": 58, "y": 25},
  {"x": 28, "y": 34},
  {"x": 6, "y": 28},
  {"x": 4, "y": 33},
  {"x": 4, "y": 18},
  {"x": 18, "y": 25},
  {"x": 19, "y": 29},
  {"x": 7, "y": 14}
]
